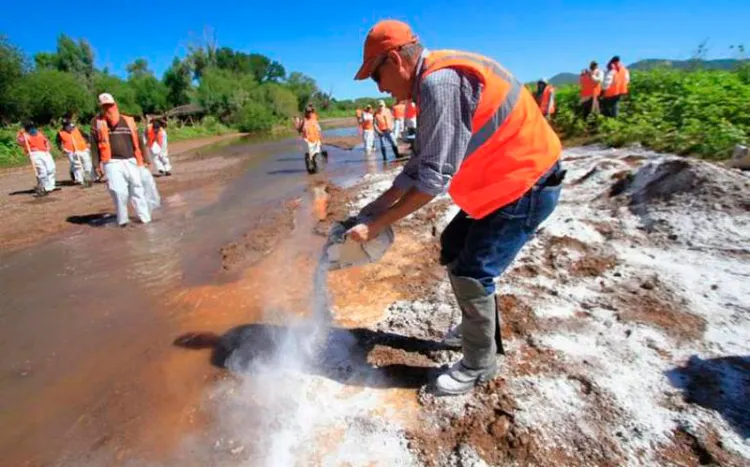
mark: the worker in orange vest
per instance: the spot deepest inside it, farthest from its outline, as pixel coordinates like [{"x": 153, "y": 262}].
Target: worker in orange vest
[
  {"x": 118, "y": 153},
  {"x": 368, "y": 129},
  {"x": 384, "y": 129},
  {"x": 75, "y": 145},
  {"x": 614, "y": 87},
  {"x": 311, "y": 133},
  {"x": 399, "y": 114},
  {"x": 591, "y": 88},
  {"x": 156, "y": 142},
  {"x": 481, "y": 139},
  {"x": 37, "y": 147},
  {"x": 545, "y": 98}
]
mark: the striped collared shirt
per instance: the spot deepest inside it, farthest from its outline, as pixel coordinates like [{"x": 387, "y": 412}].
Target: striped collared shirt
[{"x": 447, "y": 101}]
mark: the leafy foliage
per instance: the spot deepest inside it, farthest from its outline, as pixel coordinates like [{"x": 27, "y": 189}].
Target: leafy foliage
[{"x": 702, "y": 112}]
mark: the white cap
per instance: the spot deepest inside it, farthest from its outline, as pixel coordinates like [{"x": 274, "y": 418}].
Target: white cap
[
  {"x": 381, "y": 103},
  {"x": 106, "y": 98}
]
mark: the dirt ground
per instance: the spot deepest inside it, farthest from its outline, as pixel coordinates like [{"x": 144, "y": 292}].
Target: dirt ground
[
  {"x": 625, "y": 321},
  {"x": 27, "y": 219}
]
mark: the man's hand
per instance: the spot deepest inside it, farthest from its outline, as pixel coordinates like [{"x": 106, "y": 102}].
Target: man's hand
[{"x": 362, "y": 233}]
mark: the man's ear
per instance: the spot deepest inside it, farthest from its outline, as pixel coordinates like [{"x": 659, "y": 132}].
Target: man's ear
[{"x": 396, "y": 59}]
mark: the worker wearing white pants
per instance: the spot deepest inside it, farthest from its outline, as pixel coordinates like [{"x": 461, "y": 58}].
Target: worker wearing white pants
[
  {"x": 398, "y": 128},
  {"x": 156, "y": 139},
  {"x": 37, "y": 146},
  {"x": 45, "y": 169},
  {"x": 119, "y": 153},
  {"x": 125, "y": 184},
  {"x": 368, "y": 129},
  {"x": 80, "y": 166}
]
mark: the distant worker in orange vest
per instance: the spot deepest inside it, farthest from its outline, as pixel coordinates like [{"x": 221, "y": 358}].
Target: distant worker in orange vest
[
  {"x": 36, "y": 146},
  {"x": 482, "y": 139},
  {"x": 156, "y": 140},
  {"x": 384, "y": 129},
  {"x": 545, "y": 98},
  {"x": 399, "y": 113},
  {"x": 118, "y": 153},
  {"x": 311, "y": 133},
  {"x": 591, "y": 88},
  {"x": 615, "y": 86},
  {"x": 75, "y": 145},
  {"x": 368, "y": 130}
]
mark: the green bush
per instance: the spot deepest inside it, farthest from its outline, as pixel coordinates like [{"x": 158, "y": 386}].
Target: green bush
[
  {"x": 49, "y": 94},
  {"x": 254, "y": 117},
  {"x": 701, "y": 112}
]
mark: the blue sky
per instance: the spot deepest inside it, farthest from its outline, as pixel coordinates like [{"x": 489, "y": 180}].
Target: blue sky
[{"x": 324, "y": 39}]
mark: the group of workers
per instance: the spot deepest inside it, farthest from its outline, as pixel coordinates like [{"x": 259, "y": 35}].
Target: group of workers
[
  {"x": 390, "y": 125},
  {"x": 599, "y": 91},
  {"x": 114, "y": 153}
]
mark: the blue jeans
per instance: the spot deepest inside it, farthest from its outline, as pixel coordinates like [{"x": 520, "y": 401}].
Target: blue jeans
[
  {"x": 483, "y": 248},
  {"x": 384, "y": 136}
]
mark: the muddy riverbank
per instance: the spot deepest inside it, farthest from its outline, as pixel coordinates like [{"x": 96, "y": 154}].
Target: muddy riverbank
[{"x": 194, "y": 341}]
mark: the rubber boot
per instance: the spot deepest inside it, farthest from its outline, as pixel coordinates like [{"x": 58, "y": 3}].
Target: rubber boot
[
  {"x": 453, "y": 336},
  {"x": 478, "y": 328}
]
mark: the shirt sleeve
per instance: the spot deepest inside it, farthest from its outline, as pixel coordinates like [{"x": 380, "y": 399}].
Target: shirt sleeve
[{"x": 447, "y": 100}]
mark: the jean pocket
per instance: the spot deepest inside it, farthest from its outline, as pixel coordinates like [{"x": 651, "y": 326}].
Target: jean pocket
[
  {"x": 518, "y": 209},
  {"x": 545, "y": 201}
]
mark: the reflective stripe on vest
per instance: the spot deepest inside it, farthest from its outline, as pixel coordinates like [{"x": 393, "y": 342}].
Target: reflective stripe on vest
[
  {"x": 104, "y": 146},
  {"x": 512, "y": 145},
  {"x": 73, "y": 141},
  {"x": 589, "y": 87}
]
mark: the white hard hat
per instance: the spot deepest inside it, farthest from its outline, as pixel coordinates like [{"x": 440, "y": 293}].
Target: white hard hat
[{"x": 106, "y": 98}]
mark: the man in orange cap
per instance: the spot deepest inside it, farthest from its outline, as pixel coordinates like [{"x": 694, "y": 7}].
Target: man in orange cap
[{"x": 481, "y": 138}]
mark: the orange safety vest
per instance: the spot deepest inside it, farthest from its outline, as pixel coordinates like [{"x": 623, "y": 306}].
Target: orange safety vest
[
  {"x": 399, "y": 111},
  {"x": 105, "y": 149},
  {"x": 544, "y": 102},
  {"x": 384, "y": 121},
  {"x": 154, "y": 137},
  {"x": 411, "y": 110},
  {"x": 38, "y": 142},
  {"x": 614, "y": 87},
  {"x": 367, "y": 124},
  {"x": 621, "y": 80},
  {"x": 73, "y": 141},
  {"x": 511, "y": 146},
  {"x": 589, "y": 87},
  {"x": 310, "y": 130}
]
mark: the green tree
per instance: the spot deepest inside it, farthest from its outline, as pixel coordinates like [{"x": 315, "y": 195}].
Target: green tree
[
  {"x": 138, "y": 68},
  {"x": 281, "y": 102},
  {"x": 124, "y": 94},
  {"x": 178, "y": 81},
  {"x": 150, "y": 93},
  {"x": 303, "y": 86},
  {"x": 49, "y": 94},
  {"x": 223, "y": 93},
  {"x": 12, "y": 68}
]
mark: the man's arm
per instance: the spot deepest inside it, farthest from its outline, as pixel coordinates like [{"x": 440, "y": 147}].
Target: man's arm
[{"x": 447, "y": 104}]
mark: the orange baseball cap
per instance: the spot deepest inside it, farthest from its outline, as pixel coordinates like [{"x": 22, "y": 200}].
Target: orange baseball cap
[{"x": 386, "y": 35}]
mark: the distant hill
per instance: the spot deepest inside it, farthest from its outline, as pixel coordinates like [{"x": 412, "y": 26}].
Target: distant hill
[{"x": 562, "y": 79}]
